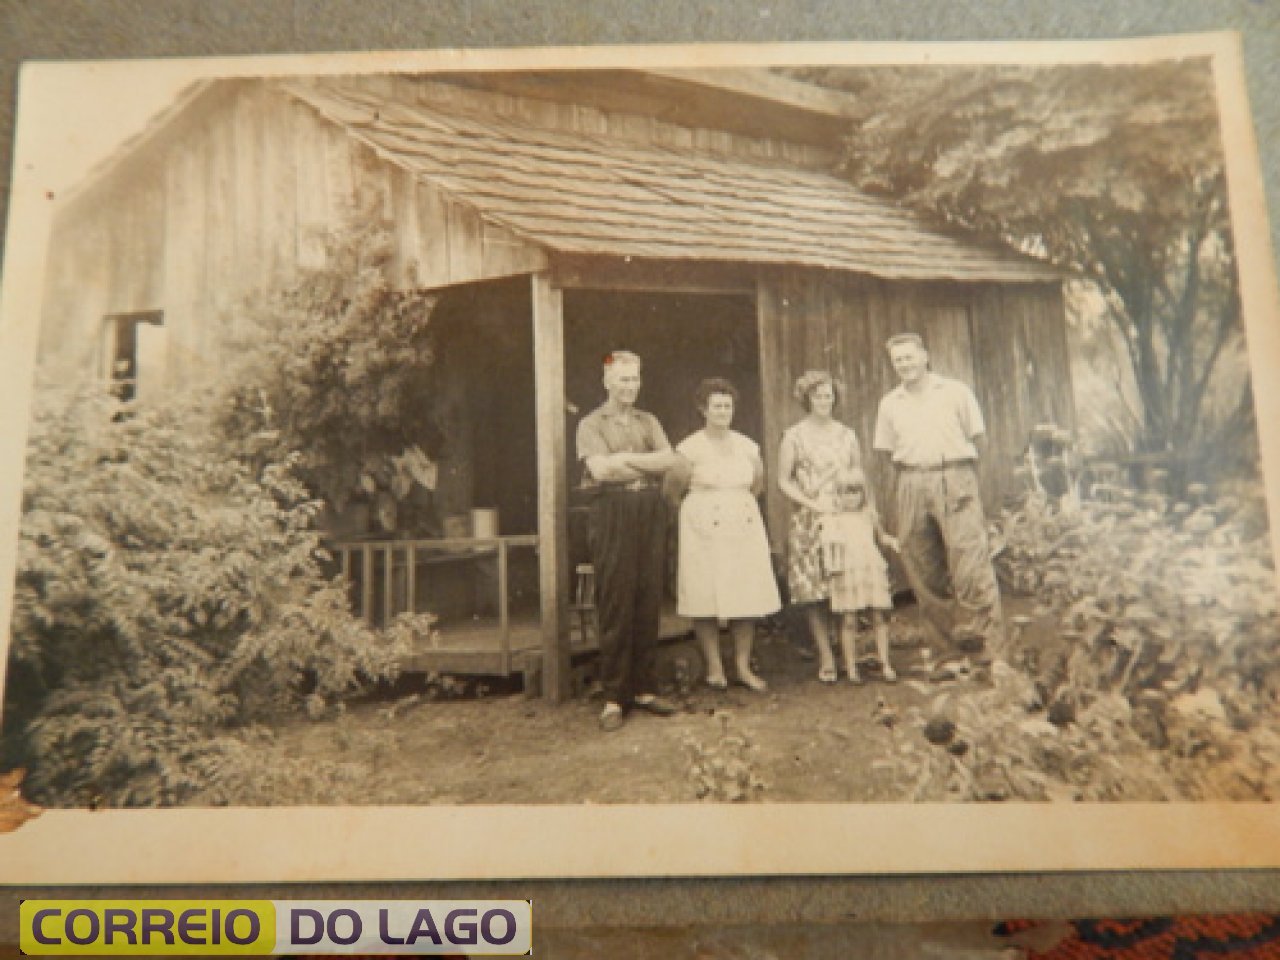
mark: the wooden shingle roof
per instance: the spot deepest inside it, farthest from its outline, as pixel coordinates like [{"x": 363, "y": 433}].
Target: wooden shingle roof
[{"x": 585, "y": 194}]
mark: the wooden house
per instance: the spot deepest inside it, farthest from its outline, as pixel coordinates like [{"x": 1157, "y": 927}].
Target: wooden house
[{"x": 690, "y": 216}]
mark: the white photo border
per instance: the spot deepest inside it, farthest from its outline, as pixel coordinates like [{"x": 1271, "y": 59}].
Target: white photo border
[{"x": 490, "y": 842}]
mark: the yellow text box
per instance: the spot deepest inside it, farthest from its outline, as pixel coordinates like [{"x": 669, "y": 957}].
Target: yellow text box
[{"x": 209, "y": 928}]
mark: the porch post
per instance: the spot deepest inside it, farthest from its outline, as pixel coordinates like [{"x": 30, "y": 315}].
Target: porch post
[
  {"x": 553, "y": 496},
  {"x": 774, "y": 397}
]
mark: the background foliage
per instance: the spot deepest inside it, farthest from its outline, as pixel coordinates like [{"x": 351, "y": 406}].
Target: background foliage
[{"x": 1114, "y": 172}]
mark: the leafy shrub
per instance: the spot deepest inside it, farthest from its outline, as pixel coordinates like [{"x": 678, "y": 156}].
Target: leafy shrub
[
  {"x": 254, "y": 769},
  {"x": 1003, "y": 748},
  {"x": 336, "y": 373},
  {"x": 1149, "y": 592},
  {"x": 1149, "y": 669},
  {"x": 165, "y": 592},
  {"x": 723, "y": 767}
]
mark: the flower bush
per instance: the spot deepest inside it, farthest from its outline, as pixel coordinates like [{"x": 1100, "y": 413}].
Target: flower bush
[{"x": 1148, "y": 667}]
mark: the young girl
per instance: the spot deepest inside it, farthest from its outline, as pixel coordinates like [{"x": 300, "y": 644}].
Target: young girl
[{"x": 856, "y": 570}]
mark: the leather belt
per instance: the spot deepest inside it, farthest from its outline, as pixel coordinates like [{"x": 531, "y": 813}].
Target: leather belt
[
  {"x": 936, "y": 467},
  {"x": 631, "y": 486}
]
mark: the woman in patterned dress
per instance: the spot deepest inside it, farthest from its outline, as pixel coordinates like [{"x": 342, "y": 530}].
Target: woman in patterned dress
[
  {"x": 815, "y": 452},
  {"x": 725, "y": 572}
]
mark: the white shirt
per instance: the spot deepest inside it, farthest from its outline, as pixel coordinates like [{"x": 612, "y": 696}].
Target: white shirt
[{"x": 934, "y": 426}]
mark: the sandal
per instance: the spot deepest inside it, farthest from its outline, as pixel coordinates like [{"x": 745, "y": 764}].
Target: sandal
[
  {"x": 717, "y": 683},
  {"x": 754, "y": 684},
  {"x": 889, "y": 674},
  {"x": 855, "y": 677},
  {"x": 827, "y": 675}
]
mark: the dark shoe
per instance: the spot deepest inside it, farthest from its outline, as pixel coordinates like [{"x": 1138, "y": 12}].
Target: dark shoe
[
  {"x": 655, "y": 704},
  {"x": 611, "y": 718}
]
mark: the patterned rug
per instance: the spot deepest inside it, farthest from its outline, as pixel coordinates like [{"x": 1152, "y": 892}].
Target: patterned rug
[
  {"x": 1243, "y": 936},
  {"x": 1238, "y": 936}
]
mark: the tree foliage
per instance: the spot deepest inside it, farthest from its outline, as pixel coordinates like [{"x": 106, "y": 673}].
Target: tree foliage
[
  {"x": 1114, "y": 172},
  {"x": 335, "y": 371},
  {"x": 166, "y": 592}
]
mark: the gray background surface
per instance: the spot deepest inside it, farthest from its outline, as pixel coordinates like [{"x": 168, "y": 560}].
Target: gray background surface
[{"x": 81, "y": 29}]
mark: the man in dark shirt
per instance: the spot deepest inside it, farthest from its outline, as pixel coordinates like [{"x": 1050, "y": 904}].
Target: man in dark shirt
[{"x": 625, "y": 452}]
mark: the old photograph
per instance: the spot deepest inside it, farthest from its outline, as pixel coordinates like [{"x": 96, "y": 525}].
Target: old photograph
[{"x": 860, "y": 433}]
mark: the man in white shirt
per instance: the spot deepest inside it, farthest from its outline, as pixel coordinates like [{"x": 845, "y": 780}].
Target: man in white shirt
[{"x": 931, "y": 429}]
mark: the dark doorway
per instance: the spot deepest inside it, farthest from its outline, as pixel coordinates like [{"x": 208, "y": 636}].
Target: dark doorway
[
  {"x": 122, "y": 346},
  {"x": 681, "y": 338},
  {"x": 485, "y": 403}
]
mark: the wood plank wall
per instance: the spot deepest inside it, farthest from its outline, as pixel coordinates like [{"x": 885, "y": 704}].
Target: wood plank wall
[
  {"x": 239, "y": 192},
  {"x": 1022, "y": 372},
  {"x": 102, "y": 266},
  {"x": 1017, "y": 355},
  {"x": 237, "y": 200}
]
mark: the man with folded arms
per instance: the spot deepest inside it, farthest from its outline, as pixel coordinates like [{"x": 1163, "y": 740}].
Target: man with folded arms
[
  {"x": 931, "y": 429},
  {"x": 625, "y": 454}
]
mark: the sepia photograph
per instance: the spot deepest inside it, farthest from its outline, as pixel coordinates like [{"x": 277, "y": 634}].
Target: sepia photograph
[{"x": 821, "y": 433}]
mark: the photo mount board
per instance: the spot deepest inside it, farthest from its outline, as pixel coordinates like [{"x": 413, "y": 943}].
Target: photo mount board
[{"x": 478, "y": 842}]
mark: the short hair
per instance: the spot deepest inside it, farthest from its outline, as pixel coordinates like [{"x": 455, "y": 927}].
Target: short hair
[
  {"x": 900, "y": 338},
  {"x": 710, "y": 387},
  {"x": 810, "y": 380},
  {"x": 621, "y": 356}
]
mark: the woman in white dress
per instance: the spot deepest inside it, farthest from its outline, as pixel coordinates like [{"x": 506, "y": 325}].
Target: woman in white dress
[{"x": 725, "y": 572}]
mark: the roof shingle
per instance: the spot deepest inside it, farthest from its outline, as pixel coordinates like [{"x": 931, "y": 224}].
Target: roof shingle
[{"x": 585, "y": 194}]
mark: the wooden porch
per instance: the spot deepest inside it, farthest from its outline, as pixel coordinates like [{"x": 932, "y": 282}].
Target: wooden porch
[{"x": 484, "y": 592}]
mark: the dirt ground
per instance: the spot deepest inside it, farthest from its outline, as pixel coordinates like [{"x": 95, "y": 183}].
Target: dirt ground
[{"x": 804, "y": 740}]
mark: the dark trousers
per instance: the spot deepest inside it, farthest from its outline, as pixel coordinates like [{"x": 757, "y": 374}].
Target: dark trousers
[{"x": 628, "y": 534}]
